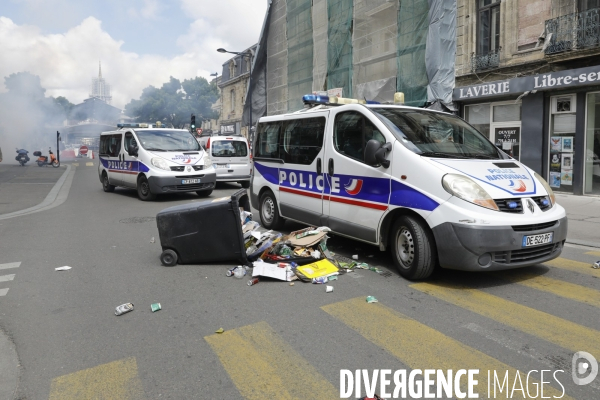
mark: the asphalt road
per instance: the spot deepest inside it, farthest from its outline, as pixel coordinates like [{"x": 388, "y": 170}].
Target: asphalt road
[{"x": 280, "y": 341}]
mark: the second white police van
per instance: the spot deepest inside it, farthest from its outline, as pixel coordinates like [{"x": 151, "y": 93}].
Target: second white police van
[
  {"x": 154, "y": 160},
  {"x": 423, "y": 183}
]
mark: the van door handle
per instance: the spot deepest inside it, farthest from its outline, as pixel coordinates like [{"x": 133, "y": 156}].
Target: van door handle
[
  {"x": 330, "y": 166},
  {"x": 318, "y": 166}
]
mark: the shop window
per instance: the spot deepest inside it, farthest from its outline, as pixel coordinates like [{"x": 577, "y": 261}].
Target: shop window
[
  {"x": 562, "y": 143},
  {"x": 592, "y": 140},
  {"x": 478, "y": 115},
  {"x": 488, "y": 32},
  {"x": 507, "y": 112}
]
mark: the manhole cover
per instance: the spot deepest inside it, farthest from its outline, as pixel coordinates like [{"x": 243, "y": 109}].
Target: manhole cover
[{"x": 137, "y": 220}]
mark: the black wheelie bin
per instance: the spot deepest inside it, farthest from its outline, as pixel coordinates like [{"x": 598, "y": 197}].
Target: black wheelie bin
[{"x": 205, "y": 232}]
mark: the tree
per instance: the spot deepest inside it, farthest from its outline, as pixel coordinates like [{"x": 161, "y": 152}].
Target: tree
[{"x": 174, "y": 102}]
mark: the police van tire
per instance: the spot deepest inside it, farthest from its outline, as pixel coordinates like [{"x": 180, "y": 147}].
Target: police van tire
[
  {"x": 204, "y": 193},
  {"x": 168, "y": 258},
  {"x": 106, "y": 186},
  {"x": 269, "y": 211},
  {"x": 245, "y": 184},
  {"x": 143, "y": 189},
  {"x": 413, "y": 248}
]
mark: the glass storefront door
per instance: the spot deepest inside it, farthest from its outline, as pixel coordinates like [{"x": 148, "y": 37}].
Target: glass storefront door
[
  {"x": 562, "y": 143},
  {"x": 499, "y": 122},
  {"x": 592, "y": 146}
]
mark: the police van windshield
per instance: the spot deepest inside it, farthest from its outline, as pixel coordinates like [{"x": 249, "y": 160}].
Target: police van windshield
[
  {"x": 167, "y": 140},
  {"x": 434, "y": 134}
]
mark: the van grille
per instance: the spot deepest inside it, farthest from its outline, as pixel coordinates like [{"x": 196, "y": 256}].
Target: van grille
[
  {"x": 188, "y": 188},
  {"x": 189, "y": 176},
  {"x": 510, "y": 205},
  {"x": 526, "y": 254},
  {"x": 178, "y": 169},
  {"x": 182, "y": 168},
  {"x": 540, "y": 200},
  {"x": 533, "y": 227}
]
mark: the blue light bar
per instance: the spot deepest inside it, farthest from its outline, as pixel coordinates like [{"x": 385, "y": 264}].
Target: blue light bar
[
  {"x": 372, "y": 102},
  {"x": 315, "y": 99},
  {"x": 128, "y": 125},
  {"x": 511, "y": 204}
]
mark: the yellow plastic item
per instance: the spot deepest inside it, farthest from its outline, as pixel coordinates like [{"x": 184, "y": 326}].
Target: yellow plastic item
[{"x": 320, "y": 268}]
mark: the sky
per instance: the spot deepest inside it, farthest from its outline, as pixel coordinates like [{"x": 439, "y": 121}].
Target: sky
[{"x": 138, "y": 42}]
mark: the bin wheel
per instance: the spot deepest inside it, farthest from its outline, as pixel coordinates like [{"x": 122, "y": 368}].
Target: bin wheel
[
  {"x": 168, "y": 258},
  {"x": 245, "y": 184},
  {"x": 106, "y": 183},
  {"x": 204, "y": 193},
  {"x": 269, "y": 212},
  {"x": 413, "y": 248},
  {"x": 143, "y": 189}
]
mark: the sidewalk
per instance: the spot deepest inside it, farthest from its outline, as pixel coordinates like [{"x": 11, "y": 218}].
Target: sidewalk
[{"x": 584, "y": 218}]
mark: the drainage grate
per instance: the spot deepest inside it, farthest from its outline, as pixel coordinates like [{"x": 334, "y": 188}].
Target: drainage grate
[{"x": 137, "y": 220}]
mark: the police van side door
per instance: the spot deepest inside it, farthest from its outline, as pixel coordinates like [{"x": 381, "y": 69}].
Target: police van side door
[
  {"x": 129, "y": 164},
  {"x": 356, "y": 194},
  {"x": 301, "y": 176}
]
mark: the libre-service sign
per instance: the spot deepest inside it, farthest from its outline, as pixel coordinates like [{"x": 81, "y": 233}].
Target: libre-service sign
[{"x": 552, "y": 80}]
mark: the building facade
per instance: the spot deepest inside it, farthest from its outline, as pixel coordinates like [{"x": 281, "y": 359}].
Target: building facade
[
  {"x": 528, "y": 76},
  {"x": 214, "y": 125},
  {"x": 233, "y": 86},
  {"x": 100, "y": 89}
]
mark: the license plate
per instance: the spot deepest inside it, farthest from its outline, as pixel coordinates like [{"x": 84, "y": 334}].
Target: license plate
[
  {"x": 223, "y": 166},
  {"x": 536, "y": 240},
  {"x": 188, "y": 181}
]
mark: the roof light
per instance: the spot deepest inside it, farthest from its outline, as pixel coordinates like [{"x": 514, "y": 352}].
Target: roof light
[
  {"x": 333, "y": 100},
  {"x": 398, "y": 98},
  {"x": 315, "y": 99}
]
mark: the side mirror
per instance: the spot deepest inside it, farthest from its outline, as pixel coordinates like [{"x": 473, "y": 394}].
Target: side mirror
[
  {"x": 375, "y": 153},
  {"x": 133, "y": 150}
]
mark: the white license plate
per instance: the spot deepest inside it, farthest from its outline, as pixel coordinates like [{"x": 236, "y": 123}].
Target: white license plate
[
  {"x": 188, "y": 181},
  {"x": 536, "y": 240},
  {"x": 223, "y": 166}
]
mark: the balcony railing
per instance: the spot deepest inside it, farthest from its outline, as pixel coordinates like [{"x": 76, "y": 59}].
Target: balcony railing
[
  {"x": 481, "y": 62},
  {"x": 573, "y": 31}
]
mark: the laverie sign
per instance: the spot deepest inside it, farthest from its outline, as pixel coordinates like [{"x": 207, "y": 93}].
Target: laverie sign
[{"x": 552, "y": 80}]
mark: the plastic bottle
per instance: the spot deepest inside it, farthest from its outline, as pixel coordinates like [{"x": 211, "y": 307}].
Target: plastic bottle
[{"x": 240, "y": 271}]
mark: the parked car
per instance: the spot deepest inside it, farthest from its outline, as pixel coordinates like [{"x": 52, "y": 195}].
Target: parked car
[{"x": 231, "y": 158}]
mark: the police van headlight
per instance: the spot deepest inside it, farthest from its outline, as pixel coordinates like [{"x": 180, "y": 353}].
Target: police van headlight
[
  {"x": 160, "y": 163},
  {"x": 207, "y": 163},
  {"x": 547, "y": 187},
  {"x": 468, "y": 190}
]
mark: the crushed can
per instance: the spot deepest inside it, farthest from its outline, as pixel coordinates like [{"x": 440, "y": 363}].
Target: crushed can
[
  {"x": 124, "y": 308},
  {"x": 253, "y": 281}
]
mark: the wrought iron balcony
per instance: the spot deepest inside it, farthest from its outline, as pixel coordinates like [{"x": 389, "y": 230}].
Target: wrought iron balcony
[
  {"x": 573, "y": 31},
  {"x": 481, "y": 62}
]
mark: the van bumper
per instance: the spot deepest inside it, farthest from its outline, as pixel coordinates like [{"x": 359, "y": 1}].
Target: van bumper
[
  {"x": 170, "y": 184},
  {"x": 494, "y": 248}
]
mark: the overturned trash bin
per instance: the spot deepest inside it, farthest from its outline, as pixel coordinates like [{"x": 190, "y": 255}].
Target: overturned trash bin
[{"x": 210, "y": 231}]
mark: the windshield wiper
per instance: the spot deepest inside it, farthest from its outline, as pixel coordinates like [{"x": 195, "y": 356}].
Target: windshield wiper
[
  {"x": 441, "y": 154},
  {"x": 152, "y": 149}
]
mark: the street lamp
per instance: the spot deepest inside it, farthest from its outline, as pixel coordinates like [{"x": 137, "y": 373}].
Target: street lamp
[{"x": 249, "y": 54}]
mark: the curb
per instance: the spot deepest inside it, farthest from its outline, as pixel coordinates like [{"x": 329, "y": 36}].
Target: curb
[
  {"x": 51, "y": 200},
  {"x": 583, "y": 243}
]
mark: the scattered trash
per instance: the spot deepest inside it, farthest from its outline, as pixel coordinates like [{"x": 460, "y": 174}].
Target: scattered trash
[
  {"x": 152, "y": 240},
  {"x": 264, "y": 269},
  {"x": 596, "y": 265},
  {"x": 320, "y": 279},
  {"x": 253, "y": 281},
  {"x": 322, "y": 268},
  {"x": 155, "y": 307},
  {"x": 65, "y": 268},
  {"x": 372, "y": 299},
  {"x": 291, "y": 283},
  {"x": 333, "y": 278},
  {"x": 220, "y": 330},
  {"x": 124, "y": 308},
  {"x": 329, "y": 289},
  {"x": 355, "y": 257}
]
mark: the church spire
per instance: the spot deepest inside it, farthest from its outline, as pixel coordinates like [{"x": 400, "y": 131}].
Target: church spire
[{"x": 100, "y": 69}]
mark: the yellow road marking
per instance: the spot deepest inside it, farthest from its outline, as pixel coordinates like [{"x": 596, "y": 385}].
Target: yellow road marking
[
  {"x": 75, "y": 164},
  {"x": 89, "y": 164},
  {"x": 263, "y": 366},
  {"x": 115, "y": 380},
  {"x": 419, "y": 346},
  {"x": 594, "y": 253},
  {"x": 572, "y": 265},
  {"x": 557, "y": 287},
  {"x": 556, "y": 330}
]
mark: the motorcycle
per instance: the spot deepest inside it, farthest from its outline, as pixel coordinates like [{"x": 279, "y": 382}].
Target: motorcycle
[
  {"x": 43, "y": 160},
  {"x": 22, "y": 156}
]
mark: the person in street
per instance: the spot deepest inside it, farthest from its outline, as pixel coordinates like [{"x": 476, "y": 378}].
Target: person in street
[{"x": 0, "y": 154}]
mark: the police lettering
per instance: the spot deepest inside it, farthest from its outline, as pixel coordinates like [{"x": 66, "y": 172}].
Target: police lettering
[{"x": 121, "y": 165}]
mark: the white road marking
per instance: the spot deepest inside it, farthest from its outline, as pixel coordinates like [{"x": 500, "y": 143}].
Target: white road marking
[
  {"x": 10, "y": 265},
  {"x": 6, "y": 278},
  {"x": 3, "y": 292}
]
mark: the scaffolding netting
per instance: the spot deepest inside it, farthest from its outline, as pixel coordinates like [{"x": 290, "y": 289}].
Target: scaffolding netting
[
  {"x": 339, "y": 46},
  {"x": 375, "y": 42},
  {"x": 277, "y": 69},
  {"x": 300, "y": 51},
  {"x": 320, "y": 24},
  {"x": 413, "y": 26}
]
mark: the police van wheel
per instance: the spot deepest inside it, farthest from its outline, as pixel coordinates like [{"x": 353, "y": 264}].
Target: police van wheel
[
  {"x": 204, "y": 193},
  {"x": 168, "y": 258},
  {"x": 143, "y": 189},
  {"x": 413, "y": 248},
  {"x": 245, "y": 184},
  {"x": 106, "y": 184},
  {"x": 269, "y": 212}
]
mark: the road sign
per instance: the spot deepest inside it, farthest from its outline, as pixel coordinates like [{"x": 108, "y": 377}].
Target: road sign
[
  {"x": 199, "y": 131},
  {"x": 83, "y": 150}
]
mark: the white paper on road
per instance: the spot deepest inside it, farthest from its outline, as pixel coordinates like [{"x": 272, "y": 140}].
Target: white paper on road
[{"x": 65, "y": 268}]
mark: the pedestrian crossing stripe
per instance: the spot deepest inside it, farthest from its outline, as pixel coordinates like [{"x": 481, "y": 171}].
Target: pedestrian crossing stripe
[
  {"x": 561, "y": 332},
  {"x": 263, "y": 366},
  {"x": 3, "y": 292},
  {"x": 115, "y": 380},
  {"x": 10, "y": 265},
  {"x": 419, "y": 346},
  {"x": 572, "y": 265},
  {"x": 6, "y": 278},
  {"x": 556, "y": 287},
  {"x": 75, "y": 164},
  {"x": 594, "y": 253},
  {"x": 89, "y": 164}
]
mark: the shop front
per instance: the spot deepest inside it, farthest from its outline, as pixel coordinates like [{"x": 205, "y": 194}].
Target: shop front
[{"x": 550, "y": 122}]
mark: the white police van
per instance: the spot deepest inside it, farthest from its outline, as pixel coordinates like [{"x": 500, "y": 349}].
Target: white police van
[
  {"x": 154, "y": 160},
  {"x": 424, "y": 183},
  {"x": 231, "y": 158}
]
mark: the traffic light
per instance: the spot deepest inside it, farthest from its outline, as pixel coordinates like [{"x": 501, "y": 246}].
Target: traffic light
[{"x": 193, "y": 123}]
